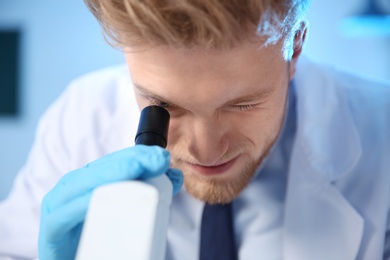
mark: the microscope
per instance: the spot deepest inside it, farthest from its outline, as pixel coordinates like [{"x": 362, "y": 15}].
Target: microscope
[{"x": 129, "y": 220}]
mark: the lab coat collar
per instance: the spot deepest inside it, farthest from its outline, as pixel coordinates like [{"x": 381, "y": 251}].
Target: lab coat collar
[
  {"x": 326, "y": 133},
  {"x": 319, "y": 221}
]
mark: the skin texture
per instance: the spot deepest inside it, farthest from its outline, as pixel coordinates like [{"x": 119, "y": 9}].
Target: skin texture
[{"x": 227, "y": 108}]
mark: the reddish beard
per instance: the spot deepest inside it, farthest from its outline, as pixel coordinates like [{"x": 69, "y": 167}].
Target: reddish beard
[{"x": 219, "y": 189}]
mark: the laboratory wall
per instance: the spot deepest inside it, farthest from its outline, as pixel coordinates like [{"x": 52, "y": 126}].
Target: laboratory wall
[
  {"x": 347, "y": 34},
  {"x": 60, "y": 40}
]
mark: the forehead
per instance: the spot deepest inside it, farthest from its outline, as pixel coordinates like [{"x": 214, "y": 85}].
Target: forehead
[
  {"x": 205, "y": 75},
  {"x": 197, "y": 58}
]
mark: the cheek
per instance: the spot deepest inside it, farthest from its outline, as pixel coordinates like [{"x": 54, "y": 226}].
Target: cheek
[
  {"x": 179, "y": 134},
  {"x": 249, "y": 130},
  {"x": 261, "y": 127},
  {"x": 175, "y": 131},
  {"x": 257, "y": 127}
]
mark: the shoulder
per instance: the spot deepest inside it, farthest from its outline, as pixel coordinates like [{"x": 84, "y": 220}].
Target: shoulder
[
  {"x": 346, "y": 114},
  {"x": 356, "y": 86},
  {"x": 367, "y": 99},
  {"x": 95, "y": 115},
  {"x": 98, "y": 96},
  {"x": 100, "y": 84}
]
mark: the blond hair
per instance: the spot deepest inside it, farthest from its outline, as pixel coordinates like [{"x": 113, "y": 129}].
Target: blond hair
[{"x": 211, "y": 24}]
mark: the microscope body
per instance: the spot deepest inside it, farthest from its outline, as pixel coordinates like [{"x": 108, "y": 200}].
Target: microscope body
[{"x": 129, "y": 220}]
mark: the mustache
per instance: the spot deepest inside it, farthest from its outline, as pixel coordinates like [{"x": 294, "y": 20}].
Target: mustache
[{"x": 181, "y": 155}]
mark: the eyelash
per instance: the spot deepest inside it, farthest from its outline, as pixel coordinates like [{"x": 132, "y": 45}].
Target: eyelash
[
  {"x": 245, "y": 107},
  {"x": 160, "y": 103}
]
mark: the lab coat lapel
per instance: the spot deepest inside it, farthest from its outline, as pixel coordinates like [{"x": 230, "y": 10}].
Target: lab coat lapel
[{"x": 319, "y": 222}]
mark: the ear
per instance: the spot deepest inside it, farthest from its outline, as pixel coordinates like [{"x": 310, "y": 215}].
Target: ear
[{"x": 299, "y": 40}]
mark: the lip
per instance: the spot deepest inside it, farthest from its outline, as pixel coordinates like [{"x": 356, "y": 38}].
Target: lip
[{"x": 213, "y": 170}]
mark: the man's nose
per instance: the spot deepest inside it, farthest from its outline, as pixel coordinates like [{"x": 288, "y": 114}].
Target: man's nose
[{"x": 208, "y": 142}]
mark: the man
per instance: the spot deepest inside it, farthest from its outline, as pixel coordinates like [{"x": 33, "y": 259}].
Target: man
[{"x": 300, "y": 150}]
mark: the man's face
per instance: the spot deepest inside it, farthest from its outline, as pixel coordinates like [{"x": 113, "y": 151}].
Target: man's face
[{"x": 227, "y": 108}]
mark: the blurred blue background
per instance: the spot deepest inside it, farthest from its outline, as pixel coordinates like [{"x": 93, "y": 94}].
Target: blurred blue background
[{"x": 61, "y": 40}]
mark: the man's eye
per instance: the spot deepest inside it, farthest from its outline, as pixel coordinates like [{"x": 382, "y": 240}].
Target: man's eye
[
  {"x": 160, "y": 103},
  {"x": 245, "y": 107},
  {"x": 163, "y": 104}
]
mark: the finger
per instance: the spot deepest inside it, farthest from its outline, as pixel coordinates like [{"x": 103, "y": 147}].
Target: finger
[
  {"x": 130, "y": 152},
  {"x": 57, "y": 224},
  {"x": 128, "y": 164},
  {"x": 177, "y": 179},
  {"x": 140, "y": 152}
]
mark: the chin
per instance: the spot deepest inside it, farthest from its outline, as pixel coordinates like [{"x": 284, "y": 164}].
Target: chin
[{"x": 221, "y": 188}]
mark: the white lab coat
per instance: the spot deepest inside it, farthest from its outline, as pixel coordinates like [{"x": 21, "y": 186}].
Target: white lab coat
[{"x": 338, "y": 195}]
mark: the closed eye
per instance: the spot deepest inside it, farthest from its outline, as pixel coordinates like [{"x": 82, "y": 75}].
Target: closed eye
[
  {"x": 245, "y": 107},
  {"x": 160, "y": 103}
]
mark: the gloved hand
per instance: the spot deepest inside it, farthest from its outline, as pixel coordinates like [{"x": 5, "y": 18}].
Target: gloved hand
[{"x": 64, "y": 208}]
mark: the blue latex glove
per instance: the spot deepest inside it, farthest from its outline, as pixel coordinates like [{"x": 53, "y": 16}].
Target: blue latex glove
[{"x": 64, "y": 208}]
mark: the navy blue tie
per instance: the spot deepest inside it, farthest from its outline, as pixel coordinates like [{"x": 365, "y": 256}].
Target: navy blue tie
[{"x": 217, "y": 235}]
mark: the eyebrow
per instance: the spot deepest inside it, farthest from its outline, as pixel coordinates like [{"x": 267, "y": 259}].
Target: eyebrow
[
  {"x": 258, "y": 95},
  {"x": 147, "y": 93}
]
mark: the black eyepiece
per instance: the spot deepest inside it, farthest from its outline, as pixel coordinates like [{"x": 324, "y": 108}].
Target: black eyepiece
[{"x": 153, "y": 126}]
